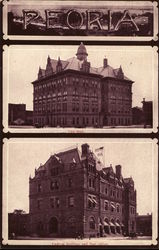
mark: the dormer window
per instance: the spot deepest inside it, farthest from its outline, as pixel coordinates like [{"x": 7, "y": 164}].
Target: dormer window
[
  {"x": 39, "y": 187},
  {"x": 59, "y": 65}
]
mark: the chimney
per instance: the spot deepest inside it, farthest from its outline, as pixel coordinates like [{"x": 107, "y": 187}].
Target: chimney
[
  {"x": 118, "y": 171},
  {"x": 85, "y": 149},
  {"x": 105, "y": 62}
]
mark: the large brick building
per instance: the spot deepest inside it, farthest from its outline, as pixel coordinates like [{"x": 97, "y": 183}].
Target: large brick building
[
  {"x": 72, "y": 93},
  {"x": 74, "y": 193}
]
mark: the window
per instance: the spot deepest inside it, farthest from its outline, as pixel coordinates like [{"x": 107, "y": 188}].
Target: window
[
  {"x": 77, "y": 120},
  {"x": 71, "y": 201},
  {"x": 52, "y": 203},
  {"x": 91, "y": 201},
  {"x": 73, "y": 121},
  {"x": 92, "y": 223},
  {"x": 39, "y": 204},
  {"x": 118, "y": 208},
  {"x": 117, "y": 193},
  {"x": 54, "y": 185},
  {"x": 106, "y": 205},
  {"x": 90, "y": 182},
  {"x": 112, "y": 207},
  {"x": 70, "y": 182},
  {"x": 39, "y": 187},
  {"x": 57, "y": 202},
  {"x": 93, "y": 183},
  {"x": 54, "y": 171},
  {"x": 106, "y": 190},
  {"x": 64, "y": 106}
]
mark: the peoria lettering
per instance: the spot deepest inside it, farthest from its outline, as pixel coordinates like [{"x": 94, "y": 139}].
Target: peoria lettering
[{"x": 76, "y": 20}]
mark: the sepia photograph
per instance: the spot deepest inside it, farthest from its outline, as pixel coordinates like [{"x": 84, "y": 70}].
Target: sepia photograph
[
  {"x": 80, "y": 191},
  {"x": 83, "y": 88},
  {"x": 95, "y": 20}
]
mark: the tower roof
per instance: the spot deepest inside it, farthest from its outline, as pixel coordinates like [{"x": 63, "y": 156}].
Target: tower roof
[{"x": 81, "y": 52}]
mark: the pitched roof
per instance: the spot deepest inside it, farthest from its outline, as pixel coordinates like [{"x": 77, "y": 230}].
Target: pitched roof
[
  {"x": 74, "y": 63},
  {"x": 69, "y": 156},
  {"x": 43, "y": 72},
  {"x": 54, "y": 64}
]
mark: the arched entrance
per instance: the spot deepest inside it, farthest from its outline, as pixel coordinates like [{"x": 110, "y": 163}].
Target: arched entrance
[
  {"x": 72, "y": 230},
  {"x": 53, "y": 225},
  {"x": 118, "y": 227},
  {"x": 106, "y": 226},
  {"x": 112, "y": 226}
]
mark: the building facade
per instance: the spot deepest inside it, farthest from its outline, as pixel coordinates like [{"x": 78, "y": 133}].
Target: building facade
[
  {"x": 73, "y": 193},
  {"x": 72, "y": 93}
]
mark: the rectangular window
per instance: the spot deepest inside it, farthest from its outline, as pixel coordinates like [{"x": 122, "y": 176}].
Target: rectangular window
[
  {"x": 118, "y": 208},
  {"x": 54, "y": 171},
  {"x": 57, "y": 202},
  {"x": 90, "y": 182},
  {"x": 39, "y": 187},
  {"x": 112, "y": 207},
  {"x": 39, "y": 204},
  {"x": 71, "y": 201},
  {"x": 52, "y": 205},
  {"x": 106, "y": 205},
  {"x": 70, "y": 182},
  {"x": 54, "y": 185}
]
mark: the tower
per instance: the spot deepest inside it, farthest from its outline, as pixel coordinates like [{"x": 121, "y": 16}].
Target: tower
[{"x": 81, "y": 52}]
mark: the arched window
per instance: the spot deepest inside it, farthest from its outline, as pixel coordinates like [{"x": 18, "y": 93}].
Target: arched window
[
  {"x": 53, "y": 225},
  {"x": 92, "y": 223}
]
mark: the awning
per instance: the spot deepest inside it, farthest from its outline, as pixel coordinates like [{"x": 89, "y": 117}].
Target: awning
[
  {"x": 117, "y": 224},
  {"x": 111, "y": 224},
  {"x": 94, "y": 200},
  {"x": 105, "y": 223},
  {"x": 90, "y": 199},
  {"x": 112, "y": 205},
  {"x": 74, "y": 161},
  {"x": 122, "y": 225}
]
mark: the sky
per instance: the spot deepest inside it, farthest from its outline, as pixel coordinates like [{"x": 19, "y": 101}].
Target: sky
[
  {"x": 134, "y": 155},
  {"x": 23, "y": 64}
]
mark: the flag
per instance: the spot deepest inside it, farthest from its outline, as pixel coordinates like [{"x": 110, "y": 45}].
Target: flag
[
  {"x": 74, "y": 161},
  {"x": 99, "y": 151}
]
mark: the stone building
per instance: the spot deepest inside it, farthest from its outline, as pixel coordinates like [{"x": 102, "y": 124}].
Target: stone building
[
  {"x": 72, "y": 93},
  {"x": 73, "y": 193}
]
